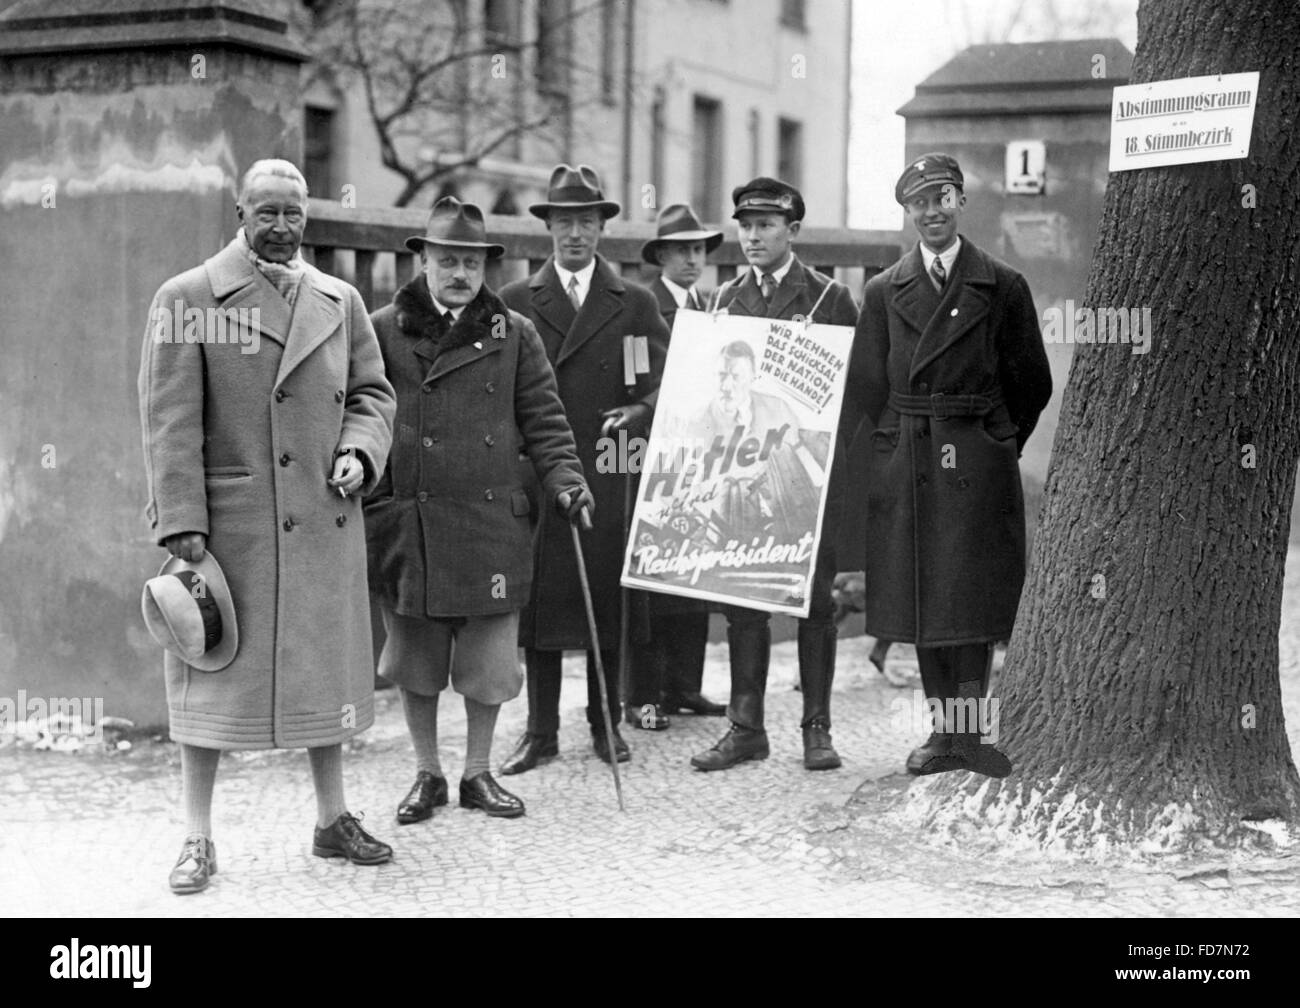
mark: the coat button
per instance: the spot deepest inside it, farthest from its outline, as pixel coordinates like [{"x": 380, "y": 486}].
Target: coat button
[
  {"x": 490, "y": 387},
  {"x": 422, "y": 496},
  {"x": 489, "y": 440},
  {"x": 923, "y": 387},
  {"x": 285, "y": 459},
  {"x": 427, "y": 442},
  {"x": 920, "y": 481},
  {"x": 341, "y": 520},
  {"x": 604, "y": 365},
  {"x": 288, "y": 524},
  {"x": 426, "y": 388},
  {"x": 281, "y": 395},
  {"x": 487, "y": 495},
  {"x": 338, "y": 396}
]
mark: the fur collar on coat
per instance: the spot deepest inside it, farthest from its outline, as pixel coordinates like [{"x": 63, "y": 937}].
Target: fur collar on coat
[{"x": 418, "y": 317}]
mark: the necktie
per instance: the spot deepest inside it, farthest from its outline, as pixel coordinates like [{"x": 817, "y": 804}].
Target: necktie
[
  {"x": 693, "y": 299},
  {"x": 769, "y": 286},
  {"x": 449, "y": 318},
  {"x": 938, "y": 274},
  {"x": 573, "y": 292}
]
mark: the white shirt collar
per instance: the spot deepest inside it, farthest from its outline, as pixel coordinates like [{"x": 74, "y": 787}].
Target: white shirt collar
[
  {"x": 777, "y": 274},
  {"x": 948, "y": 255},
  {"x": 680, "y": 294},
  {"x": 584, "y": 276}
]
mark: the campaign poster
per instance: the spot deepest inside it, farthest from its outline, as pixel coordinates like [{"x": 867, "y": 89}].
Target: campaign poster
[{"x": 734, "y": 476}]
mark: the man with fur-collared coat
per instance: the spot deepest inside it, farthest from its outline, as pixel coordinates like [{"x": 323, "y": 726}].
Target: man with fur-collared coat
[
  {"x": 449, "y": 527},
  {"x": 946, "y": 381}
]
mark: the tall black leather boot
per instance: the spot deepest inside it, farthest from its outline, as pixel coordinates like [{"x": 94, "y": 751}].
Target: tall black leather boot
[
  {"x": 749, "y": 640},
  {"x": 939, "y": 684},
  {"x": 817, "y": 639}
]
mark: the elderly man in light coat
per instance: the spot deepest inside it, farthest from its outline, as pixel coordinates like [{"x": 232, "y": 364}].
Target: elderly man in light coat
[{"x": 259, "y": 442}]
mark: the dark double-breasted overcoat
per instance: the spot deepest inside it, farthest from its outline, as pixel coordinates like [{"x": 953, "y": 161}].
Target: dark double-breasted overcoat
[
  {"x": 944, "y": 390},
  {"x": 240, "y": 435},
  {"x": 585, "y": 347},
  {"x": 448, "y": 527}
]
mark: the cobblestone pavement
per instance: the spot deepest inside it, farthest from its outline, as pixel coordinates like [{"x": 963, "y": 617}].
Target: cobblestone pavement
[{"x": 95, "y": 834}]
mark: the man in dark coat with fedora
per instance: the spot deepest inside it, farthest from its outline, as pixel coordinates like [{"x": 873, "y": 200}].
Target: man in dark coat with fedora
[
  {"x": 448, "y": 527},
  {"x": 768, "y": 214},
  {"x": 666, "y": 667},
  {"x": 947, "y": 378},
  {"x": 582, "y": 311}
]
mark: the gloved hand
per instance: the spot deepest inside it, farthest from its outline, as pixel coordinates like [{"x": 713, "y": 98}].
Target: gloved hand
[
  {"x": 572, "y": 502},
  {"x": 188, "y": 546},
  {"x": 635, "y": 415}
]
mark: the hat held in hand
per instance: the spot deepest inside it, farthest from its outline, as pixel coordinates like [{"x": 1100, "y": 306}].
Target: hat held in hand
[{"x": 189, "y": 612}]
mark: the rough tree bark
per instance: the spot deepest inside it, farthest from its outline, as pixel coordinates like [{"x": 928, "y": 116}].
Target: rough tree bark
[{"x": 1143, "y": 710}]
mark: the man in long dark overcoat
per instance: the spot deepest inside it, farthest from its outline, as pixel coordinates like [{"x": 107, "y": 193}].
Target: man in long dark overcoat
[
  {"x": 666, "y": 667},
  {"x": 582, "y": 311},
  {"x": 448, "y": 527},
  {"x": 266, "y": 415},
  {"x": 947, "y": 378},
  {"x": 768, "y": 214}
]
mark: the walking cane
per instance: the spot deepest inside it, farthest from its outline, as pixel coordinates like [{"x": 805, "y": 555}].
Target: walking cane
[{"x": 595, "y": 650}]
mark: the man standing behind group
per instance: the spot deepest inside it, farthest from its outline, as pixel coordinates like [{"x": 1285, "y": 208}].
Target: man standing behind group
[
  {"x": 448, "y": 527},
  {"x": 666, "y": 667},
  {"x": 582, "y": 311},
  {"x": 768, "y": 213}
]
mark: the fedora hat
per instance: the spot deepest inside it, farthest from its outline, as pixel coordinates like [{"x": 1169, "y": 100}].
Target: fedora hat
[
  {"x": 452, "y": 222},
  {"x": 189, "y": 612},
  {"x": 574, "y": 189},
  {"x": 678, "y": 223}
]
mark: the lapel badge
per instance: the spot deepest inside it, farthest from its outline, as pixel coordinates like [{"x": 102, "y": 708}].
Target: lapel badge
[
  {"x": 478, "y": 344},
  {"x": 954, "y": 313}
]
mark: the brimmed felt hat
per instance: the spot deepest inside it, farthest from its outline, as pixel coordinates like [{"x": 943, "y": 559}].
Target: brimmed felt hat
[
  {"x": 768, "y": 195},
  {"x": 452, "y": 222},
  {"x": 928, "y": 170},
  {"x": 189, "y": 612},
  {"x": 574, "y": 189},
  {"x": 678, "y": 223}
]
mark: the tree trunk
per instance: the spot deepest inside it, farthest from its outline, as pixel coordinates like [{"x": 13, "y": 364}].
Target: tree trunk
[{"x": 1140, "y": 700}]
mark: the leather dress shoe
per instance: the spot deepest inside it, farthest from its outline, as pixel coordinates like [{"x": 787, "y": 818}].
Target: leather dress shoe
[
  {"x": 344, "y": 837},
  {"x": 738, "y": 745},
  {"x": 601, "y": 745},
  {"x": 532, "y": 751},
  {"x": 648, "y": 716},
  {"x": 195, "y": 867},
  {"x": 818, "y": 751},
  {"x": 693, "y": 703},
  {"x": 426, "y": 794},
  {"x": 969, "y": 753},
  {"x": 483, "y": 792},
  {"x": 937, "y": 744}
]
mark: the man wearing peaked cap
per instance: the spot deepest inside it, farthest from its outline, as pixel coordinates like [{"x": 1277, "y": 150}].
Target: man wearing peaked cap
[
  {"x": 666, "y": 669},
  {"x": 777, "y": 285},
  {"x": 947, "y": 366},
  {"x": 582, "y": 310},
  {"x": 448, "y": 527}
]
